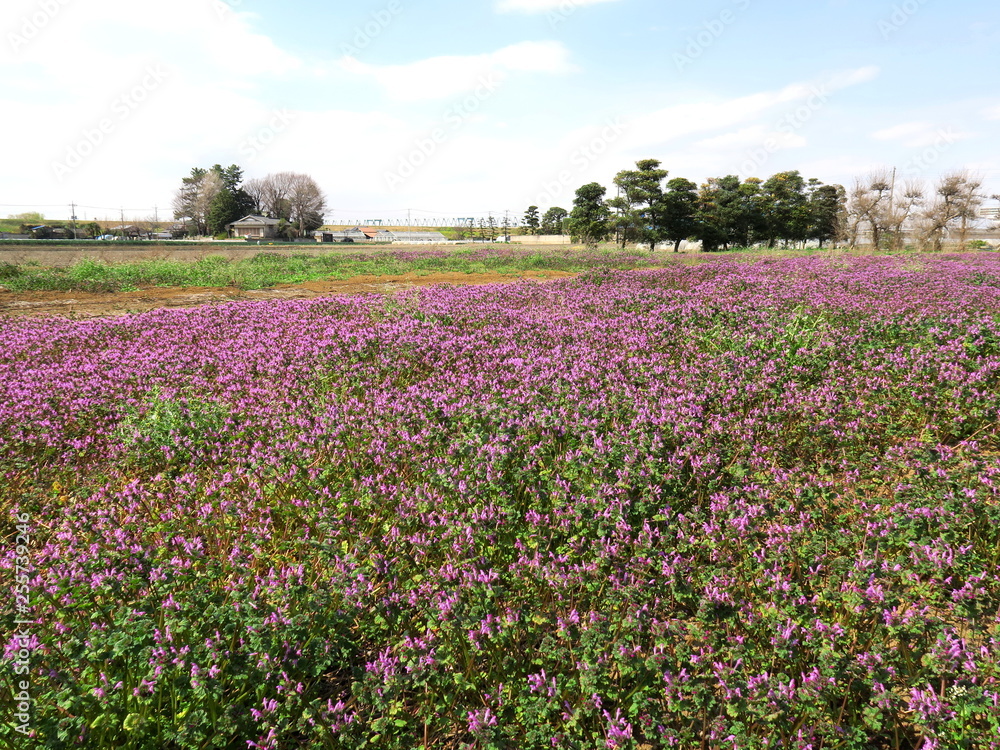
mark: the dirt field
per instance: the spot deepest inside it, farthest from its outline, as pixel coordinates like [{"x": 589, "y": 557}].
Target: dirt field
[{"x": 86, "y": 305}]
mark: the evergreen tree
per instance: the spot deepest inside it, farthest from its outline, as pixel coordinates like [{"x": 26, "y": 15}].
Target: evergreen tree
[
  {"x": 590, "y": 220},
  {"x": 679, "y": 210},
  {"x": 225, "y": 209},
  {"x": 531, "y": 219},
  {"x": 786, "y": 208},
  {"x": 552, "y": 220},
  {"x": 639, "y": 203},
  {"x": 827, "y": 205}
]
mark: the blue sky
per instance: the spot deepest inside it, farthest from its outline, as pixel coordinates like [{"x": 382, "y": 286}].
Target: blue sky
[{"x": 452, "y": 109}]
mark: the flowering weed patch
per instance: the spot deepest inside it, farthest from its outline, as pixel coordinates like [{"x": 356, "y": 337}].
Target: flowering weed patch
[{"x": 728, "y": 505}]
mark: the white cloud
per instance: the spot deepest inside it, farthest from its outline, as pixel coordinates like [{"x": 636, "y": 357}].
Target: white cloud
[
  {"x": 543, "y": 6},
  {"x": 992, "y": 113},
  {"x": 102, "y": 40},
  {"x": 451, "y": 75},
  {"x": 918, "y": 134},
  {"x": 903, "y": 130},
  {"x": 792, "y": 106},
  {"x": 846, "y": 79},
  {"x": 742, "y": 138}
]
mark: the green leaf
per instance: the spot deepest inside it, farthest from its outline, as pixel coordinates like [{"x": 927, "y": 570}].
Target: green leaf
[{"x": 132, "y": 722}]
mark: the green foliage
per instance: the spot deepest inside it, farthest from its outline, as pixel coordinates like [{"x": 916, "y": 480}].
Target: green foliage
[
  {"x": 679, "y": 211},
  {"x": 785, "y": 208},
  {"x": 553, "y": 220},
  {"x": 730, "y": 213},
  {"x": 590, "y": 220},
  {"x": 531, "y": 222},
  {"x": 798, "y": 536},
  {"x": 163, "y": 430},
  {"x": 224, "y": 210},
  {"x": 268, "y": 269},
  {"x": 9, "y": 270},
  {"x": 638, "y": 206}
]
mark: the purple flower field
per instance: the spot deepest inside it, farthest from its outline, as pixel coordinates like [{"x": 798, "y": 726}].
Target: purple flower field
[{"x": 738, "y": 504}]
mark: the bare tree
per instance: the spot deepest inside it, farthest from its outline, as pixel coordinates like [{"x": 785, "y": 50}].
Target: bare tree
[
  {"x": 306, "y": 202},
  {"x": 971, "y": 199},
  {"x": 956, "y": 201},
  {"x": 211, "y": 186},
  {"x": 194, "y": 197},
  {"x": 903, "y": 210},
  {"x": 869, "y": 208},
  {"x": 275, "y": 192},
  {"x": 256, "y": 188},
  {"x": 148, "y": 226}
]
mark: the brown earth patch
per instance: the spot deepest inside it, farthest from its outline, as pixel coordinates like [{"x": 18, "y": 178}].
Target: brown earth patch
[{"x": 90, "y": 305}]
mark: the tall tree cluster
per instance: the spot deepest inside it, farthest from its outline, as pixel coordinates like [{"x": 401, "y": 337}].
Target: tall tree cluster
[
  {"x": 211, "y": 199},
  {"x": 723, "y": 212}
]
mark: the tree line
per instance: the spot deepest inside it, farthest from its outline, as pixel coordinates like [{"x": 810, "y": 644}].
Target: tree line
[
  {"x": 648, "y": 209},
  {"x": 211, "y": 199},
  {"x": 723, "y": 212},
  {"x": 785, "y": 209}
]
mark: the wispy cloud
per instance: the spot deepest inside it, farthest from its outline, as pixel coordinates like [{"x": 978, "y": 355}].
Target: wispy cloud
[
  {"x": 543, "y": 6},
  {"x": 713, "y": 116},
  {"x": 918, "y": 134},
  {"x": 451, "y": 75}
]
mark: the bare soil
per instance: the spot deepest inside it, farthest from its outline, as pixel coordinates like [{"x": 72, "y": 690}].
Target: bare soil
[{"x": 89, "y": 305}]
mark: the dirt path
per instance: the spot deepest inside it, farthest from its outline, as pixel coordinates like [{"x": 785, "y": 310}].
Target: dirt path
[{"x": 87, "y": 305}]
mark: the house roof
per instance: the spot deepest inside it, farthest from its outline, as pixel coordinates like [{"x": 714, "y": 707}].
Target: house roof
[{"x": 252, "y": 219}]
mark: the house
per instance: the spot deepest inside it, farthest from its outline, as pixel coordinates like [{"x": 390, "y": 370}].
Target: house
[{"x": 254, "y": 227}]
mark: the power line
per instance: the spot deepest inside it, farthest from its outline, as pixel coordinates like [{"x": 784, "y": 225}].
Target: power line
[{"x": 79, "y": 205}]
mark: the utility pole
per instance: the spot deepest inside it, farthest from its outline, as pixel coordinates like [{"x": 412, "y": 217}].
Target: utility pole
[
  {"x": 892, "y": 208},
  {"x": 72, "y": 218}
]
